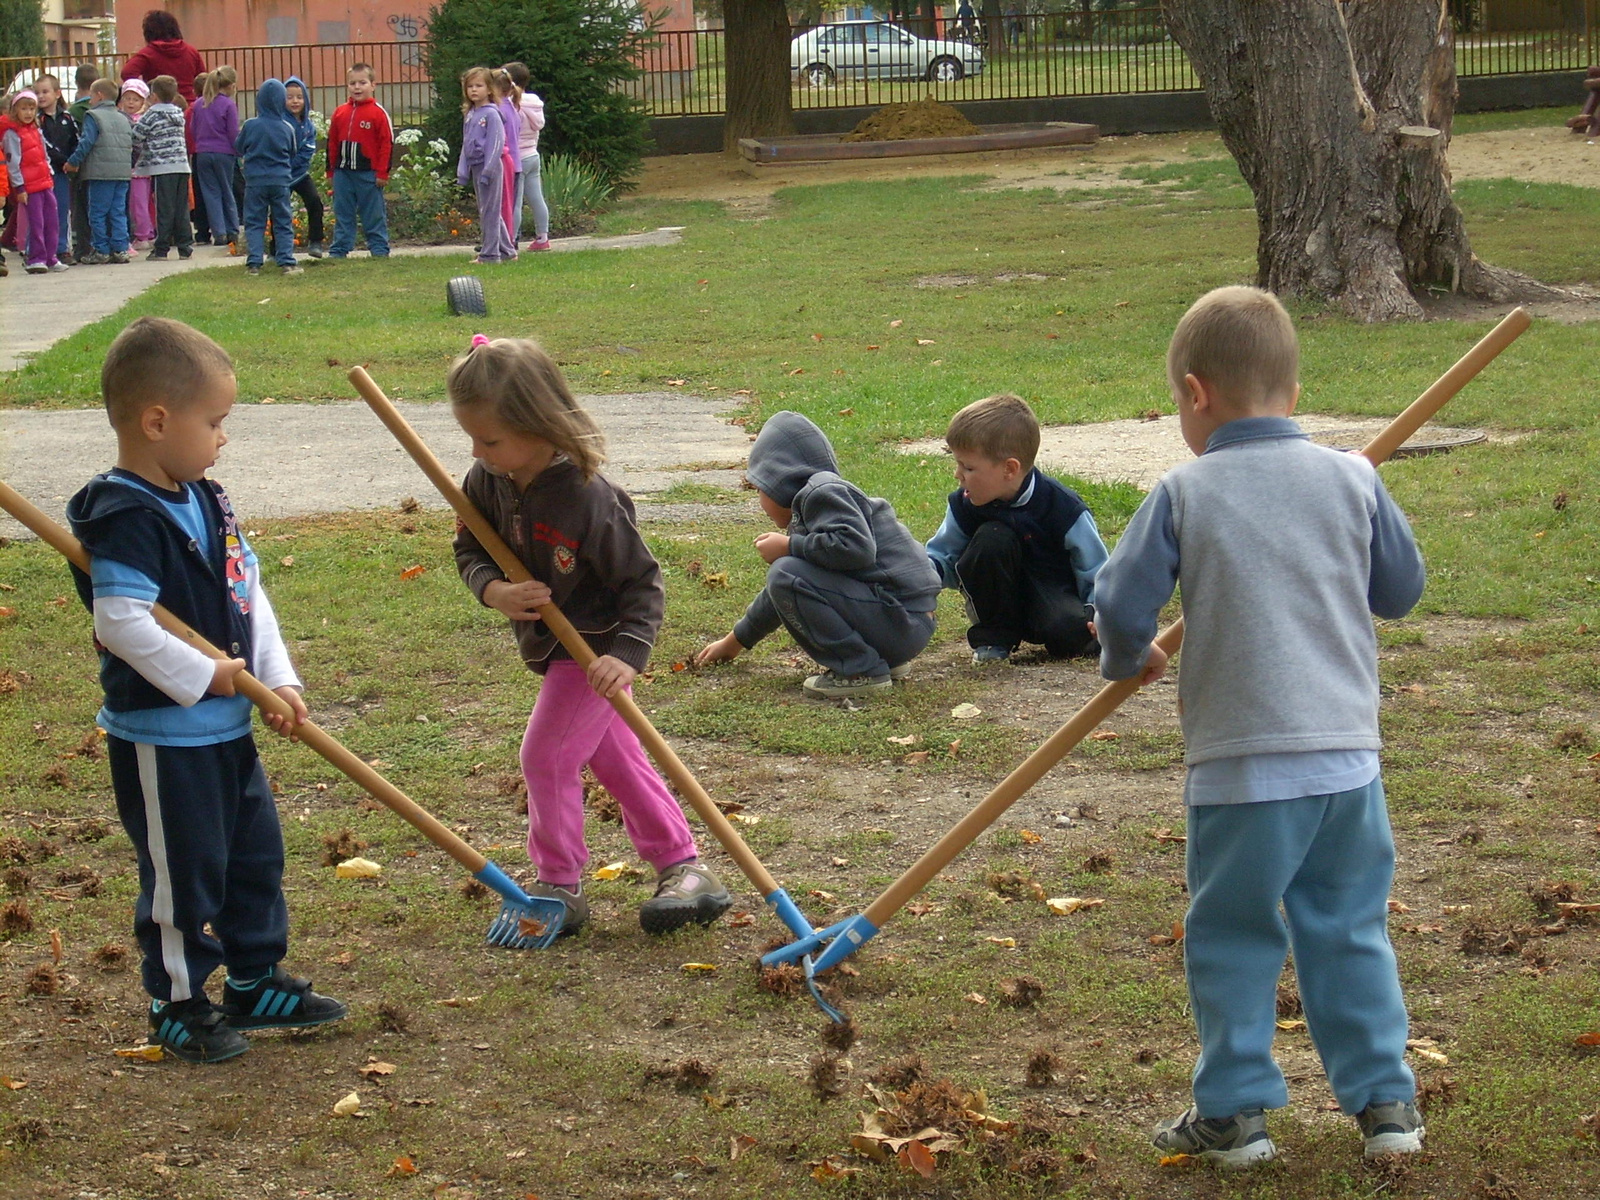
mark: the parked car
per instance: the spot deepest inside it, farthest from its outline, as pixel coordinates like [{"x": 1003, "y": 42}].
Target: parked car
[{"x": 878, "y": 50}]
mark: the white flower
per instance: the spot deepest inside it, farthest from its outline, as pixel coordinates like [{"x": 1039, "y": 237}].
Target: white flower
[
  {"x": 439, "y": 146},
  {"x": 408, "y": 136}
]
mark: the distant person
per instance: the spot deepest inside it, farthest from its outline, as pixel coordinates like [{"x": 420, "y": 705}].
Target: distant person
[
  {"x": 966, "y": 19},
  {"x": 215, "y": 121},
  {"x": 508, "y": 99},
  {"x": 159, "y": 138},
  {"x": 530, "y": 121},
  {"x": 28, "y": 171},
  {"x": 165, "y": 53},
  {"x": 141, "y": 192},
  {"x": 1588, "y": 119},
  {"x": 104, "y": 161},
  {"x": 1022, "y": 547},
  {"x": 297, "y": 100},
  {"x": 60, "y": 133},
  {"x": 481, "y": 165},
  {"x": 268, "y": 145},
  {"x": 360, "y": 147},
  {"x": 83, "y": 79}
]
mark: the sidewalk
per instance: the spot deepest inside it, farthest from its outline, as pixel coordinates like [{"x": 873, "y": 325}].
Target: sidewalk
[{"x": 36, "y": 311}]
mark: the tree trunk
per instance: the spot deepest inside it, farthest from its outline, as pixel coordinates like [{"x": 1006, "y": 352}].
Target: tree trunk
[
  {"x": 759, "y": 103},
  {"x": 1311, "y": 99}
]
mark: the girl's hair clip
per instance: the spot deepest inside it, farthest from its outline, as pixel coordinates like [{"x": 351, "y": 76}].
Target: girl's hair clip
[{"x": 479, "y": 340}]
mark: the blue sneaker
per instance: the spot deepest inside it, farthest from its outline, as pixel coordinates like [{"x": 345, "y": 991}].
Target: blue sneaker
[
  {"x": 277, "y": 1001},
  {"x": 983, "y": 655},
  {"x": 194, "y": 1031},
  {"x": 1231, "y": 1142}
]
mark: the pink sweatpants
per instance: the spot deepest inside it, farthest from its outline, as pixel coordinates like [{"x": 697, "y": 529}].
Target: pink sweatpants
[{"x": 571, "y": 726}]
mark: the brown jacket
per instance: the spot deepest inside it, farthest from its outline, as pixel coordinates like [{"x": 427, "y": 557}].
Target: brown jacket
[{"x": 581, "y": 539}]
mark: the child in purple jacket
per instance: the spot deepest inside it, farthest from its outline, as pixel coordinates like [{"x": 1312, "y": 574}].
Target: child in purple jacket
[
  {"x": 481, "y": 166},
  {"x": 215, "y": 121}
]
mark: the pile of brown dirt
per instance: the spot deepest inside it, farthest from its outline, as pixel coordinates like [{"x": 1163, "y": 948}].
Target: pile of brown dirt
[{"x": 919, "y": 119}]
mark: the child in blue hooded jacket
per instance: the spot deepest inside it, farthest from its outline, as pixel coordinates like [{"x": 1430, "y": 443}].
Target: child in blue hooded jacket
[
  {"x": 268, "y": 145},
  {"x": 298, "y": 102}
]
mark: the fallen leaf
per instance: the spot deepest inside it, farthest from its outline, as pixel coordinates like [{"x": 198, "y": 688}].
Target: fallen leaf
[
  {"x": 744, "y": 818},
  {"x": 847, "y": 412},
  {"x": 348, "y": 1107},
  {"x": 373, "y": 1069},
  {"x": 402, "y": 1166},
  {"x": 16, "y": 1085},
  {"x": 610, "y": 870},
  {"x": 1065, "y": 905},
  {"x": 1178, "y": 1160},
  {"x": 357, "y": 868},
  {"x": 870, "y": 347},
  {"x": 676, "y": 382},
  {"x": 975, "y": 998},
  {"x": 798, "y": 371},
  {"x": 916, "y": 756},
  {"x": 739, "y": 920},
  {"x": 679, "y": 666},
  {"x": 910, "y": 739},
  {"x": 1029, "y": 837},
  {"x": 6, "y": 611},
  {"x": 1009, "y": 943},
  {"x": 1104, "y": 735},
  {"x": 528, "y": 927},
  {"x": 925, "y": 341},
  {"x": 1431, "y": 1055},
  {"x": 715, "y": 579},
  {"x": 896, "y": 324},
  {"x": 699, "y": 966},
  {"x": 148, "y": 1053},
  {"x": 413, "y": 572},
  {"x": 1166, "y": 835},
  {"x": 920, "y": 909},
  {"x": 1291, "y": 1025},
  {"x": 1587, "y": 1039},
  {"x": 287, "y": 560},
  {"x": 1168, "y": 939},
  {"x": 1396, "y": 907},
  {"x": 825, "y": 897},
  {"x": 816, "y": 337},
  {"x": 832, "y": 1168},
  {"x": 738, "y": 1144},
  {"x": 55, "y": 944},
  {"x": 966, "y": 712},
  {"x": 918, "y": 1158},
  {"x": 955, "y": 748}
]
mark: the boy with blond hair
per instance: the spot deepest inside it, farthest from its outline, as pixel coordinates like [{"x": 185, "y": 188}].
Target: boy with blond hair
[
  {"x": 360, "y": 144},
  {"x": 1022, "y": 547},
  {"x": 189, "y": 787},
  {"x": 1283, "y": 550}
]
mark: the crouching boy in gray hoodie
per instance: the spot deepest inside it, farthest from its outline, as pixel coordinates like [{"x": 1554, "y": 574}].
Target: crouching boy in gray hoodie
[{"x": 847, "y": 579}]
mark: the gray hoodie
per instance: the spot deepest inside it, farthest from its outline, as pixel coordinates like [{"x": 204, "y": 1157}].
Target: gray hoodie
[{"x": 835, "y": 524}]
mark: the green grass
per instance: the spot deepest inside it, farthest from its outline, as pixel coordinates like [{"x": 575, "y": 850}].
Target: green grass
[{"x": 536, "y": 1079}]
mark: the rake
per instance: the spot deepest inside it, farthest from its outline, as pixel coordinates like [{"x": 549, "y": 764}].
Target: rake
[
  {"x": 857, "y": 930},
  {"x": 680, "y": 775},
  {"x": 524, "y": 922}
]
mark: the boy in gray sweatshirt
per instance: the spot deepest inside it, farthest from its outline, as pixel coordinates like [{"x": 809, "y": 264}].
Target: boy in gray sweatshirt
[
  {"x": 1283, "y": 550},
  {"x": 158, "y": 136},
  {"x": 846, "y": 578}
]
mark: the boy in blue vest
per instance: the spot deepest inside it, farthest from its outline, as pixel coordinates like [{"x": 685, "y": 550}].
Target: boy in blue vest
[
  {"x": 190, "y": 790},
  {"x": 1022, "y": 548},
  {"x": 1282, "y": 549}
]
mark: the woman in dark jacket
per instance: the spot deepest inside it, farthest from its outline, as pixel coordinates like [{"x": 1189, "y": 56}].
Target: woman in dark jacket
[{"x": 165, "y": 53}]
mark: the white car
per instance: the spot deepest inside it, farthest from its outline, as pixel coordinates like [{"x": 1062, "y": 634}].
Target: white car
[{"x": 878, "y": 50}]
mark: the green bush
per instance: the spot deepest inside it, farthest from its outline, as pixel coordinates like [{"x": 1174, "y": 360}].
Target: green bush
[
  {"x": 579, "y": 54},
  {"x": 575, "y": 193}
]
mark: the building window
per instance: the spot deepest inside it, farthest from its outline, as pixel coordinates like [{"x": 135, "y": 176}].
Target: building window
[
  {"x": 51, "y": 50},
  {"x": 282, "y": 31},
  {"x": 333, "y": 32},
  {"x": 77, "y": 49}
]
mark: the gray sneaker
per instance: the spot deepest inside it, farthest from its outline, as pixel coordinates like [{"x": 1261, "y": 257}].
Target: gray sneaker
[
  {"x": 118, "y": 258},
  {"x": 685, "y": 892},
  {"x": 829, "y": 686},
  {"x": 1231, "y": 1142},
  {"x": 295, "y": 270},
  {"x": 898, "y": 673},
  {"x": 577, "y": 904},
  {"x": 1393, "y": 1127}
]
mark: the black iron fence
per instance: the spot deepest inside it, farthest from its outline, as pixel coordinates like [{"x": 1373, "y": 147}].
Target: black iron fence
[{"x": 849, "y": 64}]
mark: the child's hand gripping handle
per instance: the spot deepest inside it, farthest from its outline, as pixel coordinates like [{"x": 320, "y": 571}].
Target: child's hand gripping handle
[
  {"x": 688, "y": 786},
  {"x": 262, "y": 696}
]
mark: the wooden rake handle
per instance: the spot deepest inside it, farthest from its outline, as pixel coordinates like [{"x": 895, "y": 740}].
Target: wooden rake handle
[
  {"x": 682, "y": 778},
  {"x": 264, "y": 697},
  {"x": 1110, "y": 697}
]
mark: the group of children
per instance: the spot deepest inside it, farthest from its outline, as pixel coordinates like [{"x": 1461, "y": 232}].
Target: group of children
[
  {"x": 1283, "y": 550},
  {"x": 502, "y": 172}
]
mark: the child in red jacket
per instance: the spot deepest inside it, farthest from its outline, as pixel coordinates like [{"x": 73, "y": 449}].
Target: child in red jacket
[
  {"x": 28, "y": 171},
  {"x": 360, "y": 142}
]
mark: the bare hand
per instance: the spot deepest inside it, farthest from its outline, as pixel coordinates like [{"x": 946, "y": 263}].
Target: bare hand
[
  {"x": 285, "y": 725},
  {"x": 519, "y": 601},
  {"x": 1154, "y": 667},
  {"x": 772, "y": 546},
  {"x": 608, "y": 676},
  {"x": 724, "y": 649},
  {"x": 222, "y": 676}
]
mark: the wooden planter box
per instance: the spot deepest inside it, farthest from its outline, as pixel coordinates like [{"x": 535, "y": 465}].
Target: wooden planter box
[{"x": 826, "y": 147}]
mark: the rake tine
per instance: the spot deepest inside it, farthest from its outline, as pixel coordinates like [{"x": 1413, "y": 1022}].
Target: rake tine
[
  {"x": 833, "y": 1014},
  {"x": 524, "y": 922}
]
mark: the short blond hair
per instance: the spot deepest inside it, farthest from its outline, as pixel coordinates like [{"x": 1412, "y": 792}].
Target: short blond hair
[
  {"x": 519, "y": 383},
  {"x": 104, "y": 88},
  {"x": 997, "y": 427},
  {"x": 1240, "y": 340},
  {"x": 157, "y": 360}
]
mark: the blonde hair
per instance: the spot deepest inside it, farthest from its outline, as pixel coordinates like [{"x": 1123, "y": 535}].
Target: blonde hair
[
  {"x": 472, "y": 75},
  {"x": 1240, "y": 340},
  {"x": 997, "y": 427},
  {"x": 501, "y": 83},
  {"x": 105, "y": 89},
  {"x": 516, "y": 381},
  {"x": 219, "y": 78},
  {"x": 156, "y": 360}
]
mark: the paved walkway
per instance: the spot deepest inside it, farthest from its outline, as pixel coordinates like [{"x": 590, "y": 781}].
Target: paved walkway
[{"x": 36, "y": 311}]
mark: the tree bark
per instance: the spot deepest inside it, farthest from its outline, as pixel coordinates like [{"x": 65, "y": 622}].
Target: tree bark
[
  {"x": 1310, "y": 98},
  {"x": 759, "y": 102}
]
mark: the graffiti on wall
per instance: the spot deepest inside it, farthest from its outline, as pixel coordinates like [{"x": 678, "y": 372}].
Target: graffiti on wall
[{"x": 407, "y": 30}]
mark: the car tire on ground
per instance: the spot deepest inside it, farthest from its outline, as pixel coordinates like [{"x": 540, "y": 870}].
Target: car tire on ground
[
  {"x": 465, "y": 294},
  {"x": 945, "y": 69},
  {"x": 818, "y": 75}
]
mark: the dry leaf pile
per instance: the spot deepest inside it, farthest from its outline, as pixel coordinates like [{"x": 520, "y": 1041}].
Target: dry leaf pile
[
  {"x": 917, "y": 1124},
  {"x": 337, "y": 847}
]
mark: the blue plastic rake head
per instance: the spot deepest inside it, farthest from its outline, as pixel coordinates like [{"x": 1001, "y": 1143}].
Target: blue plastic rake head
[
  {"x": 525, "y": 922},
  {"x": 800, "y": 950}
]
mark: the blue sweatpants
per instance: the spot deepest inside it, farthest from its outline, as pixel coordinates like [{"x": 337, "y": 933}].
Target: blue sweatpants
[
  {"x": 210, "y": 851},
  {"x": 850, "y": 627},
  {"x": 357, "y": 194},
  {"x": 1329, "y": 860},
  {"x": 260, "y": 202},
  {"x": 108, "y": 215}
]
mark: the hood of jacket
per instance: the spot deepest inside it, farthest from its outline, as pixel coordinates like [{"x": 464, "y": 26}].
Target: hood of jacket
[
  {"x": 788, "y": 452},
  {"x": 270, "y": 100},
  {"x": 305, "y": 113},
  {"x": 101, "y": 499}
]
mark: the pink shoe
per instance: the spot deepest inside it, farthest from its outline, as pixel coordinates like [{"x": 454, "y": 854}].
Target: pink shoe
[{"x": 539, "y": 244}]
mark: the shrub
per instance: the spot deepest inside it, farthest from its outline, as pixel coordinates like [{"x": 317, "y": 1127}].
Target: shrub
[
  {"x": 574, "y": 192},
  {"x": 578, "y": 52}
]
